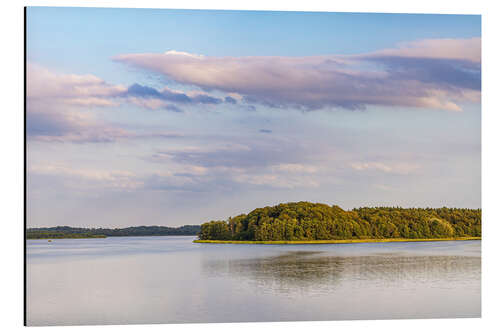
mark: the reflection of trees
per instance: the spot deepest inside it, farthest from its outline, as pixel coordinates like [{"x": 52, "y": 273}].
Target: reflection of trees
[
  {"x": 316, "y": 271},
  {"x": 297, "y": 270}
]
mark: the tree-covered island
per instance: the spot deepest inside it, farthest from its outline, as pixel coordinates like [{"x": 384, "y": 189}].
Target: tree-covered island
[{"x": 321, "y": 223}]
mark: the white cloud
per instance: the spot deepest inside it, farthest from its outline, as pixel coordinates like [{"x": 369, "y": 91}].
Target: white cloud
[
  {"x": 295, "y": 168},
  {"x": 400, "y": 168},
  {"x": 276, "y": 180},
  {"x": 185, "y": 54},
  {"x": 74, "y": 177}
]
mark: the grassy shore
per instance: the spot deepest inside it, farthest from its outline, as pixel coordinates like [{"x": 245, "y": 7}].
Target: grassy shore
[{"x": 339, "y": 241}]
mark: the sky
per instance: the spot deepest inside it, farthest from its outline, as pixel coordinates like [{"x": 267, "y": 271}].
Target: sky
[{"x": 174, "y": 117}]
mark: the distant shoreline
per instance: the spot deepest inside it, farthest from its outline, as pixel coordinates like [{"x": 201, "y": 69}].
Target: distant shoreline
[
  {"x": 66, "y": 236},
  {"x": 104, "y": 236},
  {"x": 338, "y": 241},
  {"x": 62, "y": 232}
]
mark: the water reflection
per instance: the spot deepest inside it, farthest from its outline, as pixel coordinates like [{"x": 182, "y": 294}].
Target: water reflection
[
  {"x": 133, "y": 280},
  {"x": 318, "y": 272}
]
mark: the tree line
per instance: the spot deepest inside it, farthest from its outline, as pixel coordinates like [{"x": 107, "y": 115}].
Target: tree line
[
  {"x": 59, "y": 235},
  {"x": 72, "y": 232},
  {"x": 315, "y": 221}
]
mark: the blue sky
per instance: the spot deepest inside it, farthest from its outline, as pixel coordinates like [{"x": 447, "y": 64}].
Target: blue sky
[
  {"x": 175, "y": 117},
  {"x": 84, "y": 39}
]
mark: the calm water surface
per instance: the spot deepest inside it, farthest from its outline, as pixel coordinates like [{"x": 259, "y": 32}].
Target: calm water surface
[{"x": 137, "y": 280}]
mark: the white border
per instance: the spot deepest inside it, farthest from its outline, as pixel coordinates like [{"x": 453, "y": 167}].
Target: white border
[{"x": 11, "y": 149}]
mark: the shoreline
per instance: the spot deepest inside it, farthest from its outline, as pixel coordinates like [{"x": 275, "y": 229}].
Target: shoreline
[
  {"x": 337, "y": 241},
  {"x": 28, "y": 238},
  {"x": 50, "y": 238}
]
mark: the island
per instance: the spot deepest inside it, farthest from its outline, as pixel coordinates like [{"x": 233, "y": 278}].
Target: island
[
  {"x": 72, "y": 232},
  {"x": 306, "y": 222}
]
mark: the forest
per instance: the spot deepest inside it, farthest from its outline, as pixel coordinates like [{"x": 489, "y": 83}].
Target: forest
[
  {"x": 301, "y": 221},
  {"x": 72, "y": 232}
]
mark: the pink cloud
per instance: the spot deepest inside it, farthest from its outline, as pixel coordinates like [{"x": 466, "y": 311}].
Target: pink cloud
[
  {"x": 439, "y": 74},
  {"x": 71, "y": 89},
  {"x": 457, "y": 49}
]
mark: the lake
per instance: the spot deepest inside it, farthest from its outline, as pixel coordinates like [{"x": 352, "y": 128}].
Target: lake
[{"x": 146, "y": 280}]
